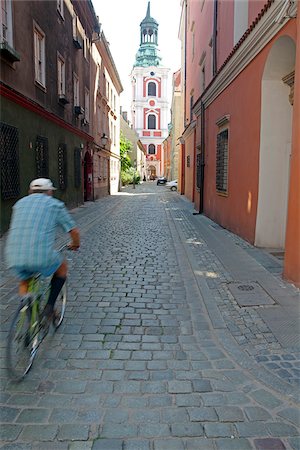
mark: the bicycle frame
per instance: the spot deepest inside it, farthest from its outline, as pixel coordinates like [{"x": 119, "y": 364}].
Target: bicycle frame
[{"x": 29, "y": 326}]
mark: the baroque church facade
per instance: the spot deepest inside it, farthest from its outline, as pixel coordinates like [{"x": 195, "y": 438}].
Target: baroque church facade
[{"x": 150, "y": 100}]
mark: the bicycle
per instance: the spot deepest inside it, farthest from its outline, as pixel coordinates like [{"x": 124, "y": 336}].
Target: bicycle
[{"x": 29, "y": 328}]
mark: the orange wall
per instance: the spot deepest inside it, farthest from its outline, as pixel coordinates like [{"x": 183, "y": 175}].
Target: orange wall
[
  {"x": 225, "y": 30},
  {"x": 242, "y": 102}
]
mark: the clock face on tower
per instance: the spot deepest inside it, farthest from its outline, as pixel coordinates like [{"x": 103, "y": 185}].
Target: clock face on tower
[{"x": 152, "y": 103}]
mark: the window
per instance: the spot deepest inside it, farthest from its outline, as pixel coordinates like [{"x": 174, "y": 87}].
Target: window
[
  {"x": 41, "y": 157},
  {"x": 74, "y": 25},
  {"x": 6, "y": 22},
  {"x": 240, "y": 19},
  {"x": 152, "y": 89},
  {"x": 60, "y": 7},
  {"x": 62, "y": 166},
  {"x": 39, "y": 56},
  {"x": 99, "y": 119},
  {"x": 87, "y": 105},
  {"x": 76, "y": 90},
  {"x": 115, "y": 134},
  {"x": 222, "y": 162},
  {"x": 191, "y": 107},
  {"x": 188, "y": 161},
  {"x": 151, "y": 122},
  {"x": 151, "y": 149},
  {"x": 61, "y": 80},
  {"x": 203, "y": 77},
  {"x": 9, "y": 159}
]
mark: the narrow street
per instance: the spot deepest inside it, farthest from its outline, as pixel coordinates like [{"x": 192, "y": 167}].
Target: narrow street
[{"x": 178, "y": 335}]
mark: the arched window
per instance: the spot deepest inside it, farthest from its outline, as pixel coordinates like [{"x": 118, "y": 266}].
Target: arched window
[
  {"x": 152, "y": 89},
  {"x": 151, "y": 122},
  {"x": 151, "y": 149}
]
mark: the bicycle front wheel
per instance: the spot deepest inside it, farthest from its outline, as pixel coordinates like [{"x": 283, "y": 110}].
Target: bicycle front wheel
[
  {"x": 60, "y": 307},
  {"x": 21, "y": 343}
]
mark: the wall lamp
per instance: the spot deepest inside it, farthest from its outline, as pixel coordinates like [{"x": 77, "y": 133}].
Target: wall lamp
[{"x": 104, "y": 140}]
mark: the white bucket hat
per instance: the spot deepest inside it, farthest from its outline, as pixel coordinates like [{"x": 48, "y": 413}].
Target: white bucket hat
[{"x": 42, "y": 184}]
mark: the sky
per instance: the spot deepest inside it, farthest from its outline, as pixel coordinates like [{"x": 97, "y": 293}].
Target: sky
[{"x": 121, "y": 20}]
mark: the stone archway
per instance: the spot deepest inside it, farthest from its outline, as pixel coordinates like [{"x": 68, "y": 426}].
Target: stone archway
[
  {"x": 275, "y": 145},
  {"x": 152, "y": 172}
]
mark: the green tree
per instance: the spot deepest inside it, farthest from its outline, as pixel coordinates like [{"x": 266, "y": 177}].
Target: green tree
[{"x": 125, "y": 147}]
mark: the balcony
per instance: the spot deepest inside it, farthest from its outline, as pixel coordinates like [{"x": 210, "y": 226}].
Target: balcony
[{"x": 8, "y": 53}]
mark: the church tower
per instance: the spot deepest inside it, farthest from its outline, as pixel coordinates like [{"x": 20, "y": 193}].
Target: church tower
[{"x": 150, "y": 103}]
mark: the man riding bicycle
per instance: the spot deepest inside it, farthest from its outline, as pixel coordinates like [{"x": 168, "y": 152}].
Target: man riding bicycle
[{"x": 30, "y": 244}]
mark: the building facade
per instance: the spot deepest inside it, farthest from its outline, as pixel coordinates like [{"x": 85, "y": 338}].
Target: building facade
[
  {"x": 56, "y": 68},
  {"x": 138, "y": 153},
  {"x": 150, "y": 103},
  {"x": 240, "y": 147},
  {"x": 106, "y": 120}
]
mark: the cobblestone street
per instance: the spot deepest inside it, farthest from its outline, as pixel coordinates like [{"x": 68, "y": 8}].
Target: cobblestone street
[{"x": 178, "y": 335}]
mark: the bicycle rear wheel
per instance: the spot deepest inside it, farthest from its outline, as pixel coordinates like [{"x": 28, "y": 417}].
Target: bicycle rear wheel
[
  {"x": 60, "y": 307},
  {"x": 21, "y": 343}
]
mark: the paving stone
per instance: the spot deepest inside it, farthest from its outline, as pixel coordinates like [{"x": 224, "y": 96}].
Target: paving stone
[
  {"x": 295, "y": 443},
  {"x": 119, "y": 431},
  {"x": 199, "y": 443},
  {"x": 43, "y": 432},
  {"x": 8, "y": 414},
  {"x": 80, "y": 445},
  {"x": 269, "y": 444},
  {"x": 186, "y": 429},
  {"x": 36, "y": 415},
  {"x": 168, "y": 444},
  {"x": 280, "y": 429},
  {"x": 70, "y": 432},
  {"x": 291, "y": 414},
  {"x": 9, "y": 432},
  {"x": 179, "y": 387},
  {"x": 266, "y": 399},
  {"x": 233, "y": 444},
  {"x": 107, "y": 444},
  {"x": 155, "y": 430},
  {"x": 230, "y": 414},
  {"x": 136, "y": 445},
  {"x": 216, "y": 430},
  {"x": 249, "y": 429},
  {"x": 203, "y": 414},
  {"x": 255, "y": 413}
]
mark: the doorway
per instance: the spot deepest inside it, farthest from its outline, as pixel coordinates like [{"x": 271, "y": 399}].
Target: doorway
[{"x": 275, "y": 146}]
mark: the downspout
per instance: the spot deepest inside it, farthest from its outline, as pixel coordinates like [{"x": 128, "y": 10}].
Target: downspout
[
  {"x": 202, "y": 160},
  {"x": 215, "y": 33},
  {"x": 185, "y": 47}
]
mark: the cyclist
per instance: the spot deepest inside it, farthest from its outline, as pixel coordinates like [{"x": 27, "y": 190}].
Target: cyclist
[{"x": 30, "y": 244}]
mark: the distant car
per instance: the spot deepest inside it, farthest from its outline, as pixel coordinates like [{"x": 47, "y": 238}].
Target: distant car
[
  {"x": 172, "y": 185},
  {"x": 161, "y": 180}
]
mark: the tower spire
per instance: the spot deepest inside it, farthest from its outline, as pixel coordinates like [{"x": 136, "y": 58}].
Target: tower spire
[
  {"x": 147, "y": 54},
  {"x": 148, "y": 10}
]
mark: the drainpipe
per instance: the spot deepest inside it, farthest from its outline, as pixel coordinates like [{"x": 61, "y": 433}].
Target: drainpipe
[
  {"x": 215, "y": 33},
  {"x": 185, "y": 47},
  {"x": 202, "y": 161}
]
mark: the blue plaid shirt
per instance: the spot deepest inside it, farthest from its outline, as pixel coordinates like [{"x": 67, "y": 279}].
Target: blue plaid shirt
[{"x": 31, "y": 237}]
